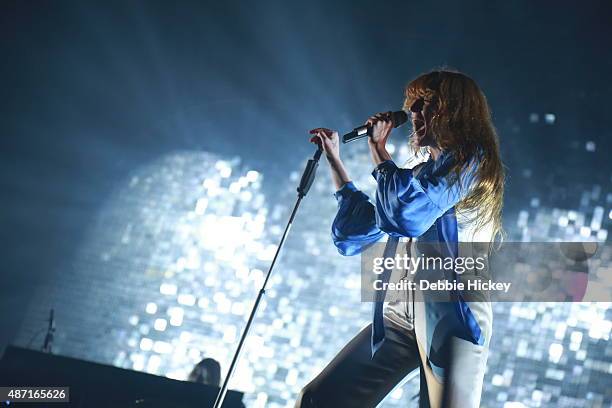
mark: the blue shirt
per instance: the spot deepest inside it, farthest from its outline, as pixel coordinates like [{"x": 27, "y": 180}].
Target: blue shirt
[
  {"x": 406, "y": 205},
  {"x": 409, "y": 204}
]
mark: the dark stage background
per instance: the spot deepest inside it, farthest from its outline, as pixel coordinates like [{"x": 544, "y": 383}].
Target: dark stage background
[{"x": 96, "y": 95}]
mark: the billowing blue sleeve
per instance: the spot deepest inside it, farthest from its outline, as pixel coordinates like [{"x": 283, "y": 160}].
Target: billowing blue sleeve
[
  {"x": 354, "y": 228},
  {"x": 408, "y": 205}
]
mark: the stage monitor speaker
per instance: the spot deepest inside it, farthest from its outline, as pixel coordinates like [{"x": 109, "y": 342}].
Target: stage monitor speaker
[{"x": 94, "y": 385}]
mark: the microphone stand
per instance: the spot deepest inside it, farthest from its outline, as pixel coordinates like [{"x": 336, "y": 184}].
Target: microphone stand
[
  {"x": 48, "y": 345},
  {"x": 305, "y": 183}
]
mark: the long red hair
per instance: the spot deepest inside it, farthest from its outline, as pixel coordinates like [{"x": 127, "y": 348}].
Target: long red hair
[{"x": 463, "y": 126}]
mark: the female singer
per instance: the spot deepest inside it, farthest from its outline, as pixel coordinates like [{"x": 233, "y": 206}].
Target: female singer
[{"x": 454, "y": 196}]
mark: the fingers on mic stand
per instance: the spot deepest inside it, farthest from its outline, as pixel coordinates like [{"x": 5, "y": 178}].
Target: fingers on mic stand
[
  {"x": 317, "y": 140},
  {"x": 320, "y": 130}
]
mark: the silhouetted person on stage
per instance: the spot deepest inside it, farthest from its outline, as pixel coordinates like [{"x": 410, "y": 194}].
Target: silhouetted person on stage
[{"x": 207, "y": 371}]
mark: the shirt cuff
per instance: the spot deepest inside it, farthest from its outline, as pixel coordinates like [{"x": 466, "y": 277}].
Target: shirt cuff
[
  {"x": 345, "y": 191},
  {"x": 384, "y": 168}
]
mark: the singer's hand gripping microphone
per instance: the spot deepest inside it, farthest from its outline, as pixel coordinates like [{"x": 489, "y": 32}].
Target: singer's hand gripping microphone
[{"x": 399, "y": 118}]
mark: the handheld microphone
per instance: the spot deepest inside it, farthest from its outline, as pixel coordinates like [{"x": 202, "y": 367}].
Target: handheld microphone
[{"x": 399, "y": 118}]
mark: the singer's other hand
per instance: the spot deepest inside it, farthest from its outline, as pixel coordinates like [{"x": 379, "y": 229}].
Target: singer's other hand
[
  {"x": 328, "y": 140},
  {"x": 382, "y": 125}
]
